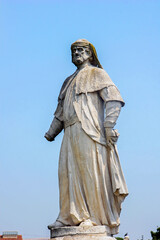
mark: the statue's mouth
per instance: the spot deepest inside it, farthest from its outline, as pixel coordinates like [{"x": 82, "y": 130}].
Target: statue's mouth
[{"x": 77, "y": 57}]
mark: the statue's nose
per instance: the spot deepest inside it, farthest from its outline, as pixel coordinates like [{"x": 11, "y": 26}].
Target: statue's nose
[{"x": 76, "y": 52}]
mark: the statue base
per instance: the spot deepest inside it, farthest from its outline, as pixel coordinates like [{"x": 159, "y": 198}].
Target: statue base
[{"x": 80, "y": 233}]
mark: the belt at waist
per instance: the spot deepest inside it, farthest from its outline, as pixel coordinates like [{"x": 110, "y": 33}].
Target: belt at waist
[{"x": 71, "y": 122}]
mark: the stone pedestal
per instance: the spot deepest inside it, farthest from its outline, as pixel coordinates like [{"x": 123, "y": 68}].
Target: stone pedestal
[{"x": 80, "y": 233}]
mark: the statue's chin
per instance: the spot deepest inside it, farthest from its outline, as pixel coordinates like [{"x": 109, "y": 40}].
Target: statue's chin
[{"x": 77, "y": 62}]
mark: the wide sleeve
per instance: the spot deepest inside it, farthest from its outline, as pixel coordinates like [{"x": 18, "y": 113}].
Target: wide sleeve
[
  {"x": 59, "y": 111},
  {"x": 111, "y": 93},
  {"x": 113, "y": 103},
  {"x": 57, "y": 124}
]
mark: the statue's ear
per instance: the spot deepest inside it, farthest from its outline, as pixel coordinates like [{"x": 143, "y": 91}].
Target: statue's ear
[{"x": 91, "y": 59}]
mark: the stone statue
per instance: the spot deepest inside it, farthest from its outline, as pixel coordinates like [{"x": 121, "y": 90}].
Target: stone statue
[{"x": 91, "y": 181}]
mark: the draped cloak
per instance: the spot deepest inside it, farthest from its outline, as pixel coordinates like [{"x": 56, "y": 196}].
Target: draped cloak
[{"x": 91, "y": 181}]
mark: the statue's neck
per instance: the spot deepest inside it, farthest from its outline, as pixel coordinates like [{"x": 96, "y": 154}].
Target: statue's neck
[{"x": 84, "y": 64}]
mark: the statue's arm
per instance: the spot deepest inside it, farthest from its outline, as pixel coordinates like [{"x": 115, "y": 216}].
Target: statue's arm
[
  {"x": 55, "y": 128},
  {"x": 57, "y": 124},
  {"x": 112, "y": 111}
]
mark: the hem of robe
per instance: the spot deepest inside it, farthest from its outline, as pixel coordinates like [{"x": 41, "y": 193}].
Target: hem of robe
[{"x": 111, "y": 230}]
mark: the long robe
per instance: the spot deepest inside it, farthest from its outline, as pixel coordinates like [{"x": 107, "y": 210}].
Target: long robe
[{"x": 91, "y": 181}]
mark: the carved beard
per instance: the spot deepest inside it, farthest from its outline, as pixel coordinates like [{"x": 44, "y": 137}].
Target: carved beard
[{"x": 77, "y": 60}]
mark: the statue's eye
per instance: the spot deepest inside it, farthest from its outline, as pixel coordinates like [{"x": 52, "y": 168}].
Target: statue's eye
[{"x": 80, "y": 49}]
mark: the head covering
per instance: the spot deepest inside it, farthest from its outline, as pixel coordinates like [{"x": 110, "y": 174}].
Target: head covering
[{"x": 85, "y": 43}]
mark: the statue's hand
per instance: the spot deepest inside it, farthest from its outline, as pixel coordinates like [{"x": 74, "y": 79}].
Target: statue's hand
[
  {"x": 48, "y": 137},
  {"x": 111, "y": 136}
]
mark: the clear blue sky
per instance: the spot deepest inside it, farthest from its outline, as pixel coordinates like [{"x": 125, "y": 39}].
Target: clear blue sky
[{"x": 35, "y": 41}]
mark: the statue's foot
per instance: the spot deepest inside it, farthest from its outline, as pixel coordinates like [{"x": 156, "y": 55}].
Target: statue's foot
[
  {"x": 56, "y": 224},
  {"x": 86, "y": 223}
]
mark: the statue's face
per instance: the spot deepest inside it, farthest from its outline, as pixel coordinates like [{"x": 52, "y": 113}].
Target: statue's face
[{"x": 80, "y": 55}]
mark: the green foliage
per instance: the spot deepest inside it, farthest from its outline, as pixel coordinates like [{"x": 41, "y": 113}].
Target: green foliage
[
  {"x": 118, "y": 238},
  {"x": 156, "y": 235}
]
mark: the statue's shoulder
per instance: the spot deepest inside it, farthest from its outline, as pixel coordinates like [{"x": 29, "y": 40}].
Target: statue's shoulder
[
  {"x": 91, "y": 79},
  {"x": 99, "y": 74},
  {"x": 64, "y": 87},
  {"x": 96, "y": 69},
  {"x": 66, "y": 81}
]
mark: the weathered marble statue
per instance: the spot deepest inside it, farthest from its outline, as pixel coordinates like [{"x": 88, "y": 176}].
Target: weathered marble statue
[{"x": 91, "y": 181}]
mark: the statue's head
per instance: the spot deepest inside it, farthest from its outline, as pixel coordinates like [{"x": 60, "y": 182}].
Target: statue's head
[{"x": 83, "y": 50}]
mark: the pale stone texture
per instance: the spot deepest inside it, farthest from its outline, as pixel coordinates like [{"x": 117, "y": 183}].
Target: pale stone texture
[
  {"x": 91, "y": 181},
  {"x": 84, "y": 237},
  {"x": 78, "y": 233}
]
